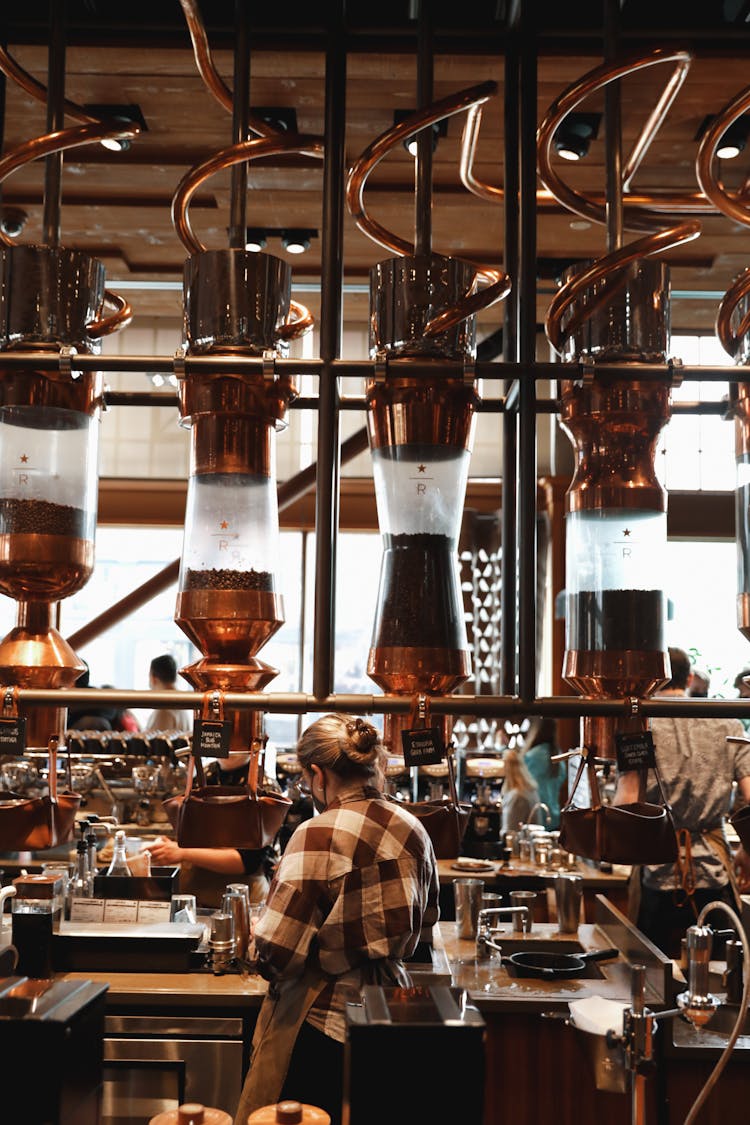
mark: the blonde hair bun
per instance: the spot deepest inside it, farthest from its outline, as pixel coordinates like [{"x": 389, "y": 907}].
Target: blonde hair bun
[{"x": 364, "y": 740}]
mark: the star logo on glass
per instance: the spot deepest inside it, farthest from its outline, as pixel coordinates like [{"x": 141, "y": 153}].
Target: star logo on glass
[
  {"x": 421, "y": 468},
  {"x": 626, "y": 532},
  {"x": 24, "y": 458},
  {"x": 223, "y": 525}
]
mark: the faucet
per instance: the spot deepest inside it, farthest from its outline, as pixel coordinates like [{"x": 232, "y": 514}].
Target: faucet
[
  {"x": 548, "y": 814},
  {"x": 485, "y": 942}
]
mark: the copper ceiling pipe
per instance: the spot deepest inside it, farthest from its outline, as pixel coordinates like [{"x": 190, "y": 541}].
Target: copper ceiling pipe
[
  {"x": 92, "y": 131},
  {"x": 497, "y": 282},
  {"x": 691, "y": 203},
  {"x": 568, "y": 101},
  {"x": 213, "y": 81}
]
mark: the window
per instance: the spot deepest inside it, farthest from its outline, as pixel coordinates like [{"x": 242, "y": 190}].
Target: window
[{"x": 696, "y": 451}]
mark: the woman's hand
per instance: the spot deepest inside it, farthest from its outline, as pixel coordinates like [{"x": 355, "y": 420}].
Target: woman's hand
[{"x": 164, "y": 852}]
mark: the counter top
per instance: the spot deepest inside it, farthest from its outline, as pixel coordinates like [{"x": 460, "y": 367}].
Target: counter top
[
  {"x": 178, "y": 990},
  {"x": 593, "y": 878}
]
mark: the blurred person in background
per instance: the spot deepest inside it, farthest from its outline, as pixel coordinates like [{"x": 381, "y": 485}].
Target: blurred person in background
[
  {"x": 163, "y": 677},
  {"x": 520, "y": 794},
  {"x": 548, "y": 776}
]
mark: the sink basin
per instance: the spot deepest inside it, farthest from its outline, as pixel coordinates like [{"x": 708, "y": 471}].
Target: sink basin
[{"x": 723, "y": 1020}]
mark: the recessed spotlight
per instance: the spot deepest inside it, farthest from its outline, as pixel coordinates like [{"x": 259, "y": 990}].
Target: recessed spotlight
[
  {"x": 115, "y": 114},
  {"x": 411, "y": 144},
  {"x": 733, "y": 139},
  {"x": 255, "y": 240},
  {"x": 296, "y": 241},
  {"x": 574, "y": 135}
]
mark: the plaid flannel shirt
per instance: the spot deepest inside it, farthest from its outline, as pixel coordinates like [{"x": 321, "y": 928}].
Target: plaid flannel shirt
[{"x": 356, "y": 884}]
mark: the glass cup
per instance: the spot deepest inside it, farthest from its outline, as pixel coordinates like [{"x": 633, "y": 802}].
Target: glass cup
[
  {"x": 182, "y": 908},
  {"x": 522, "y": 923},
  {"x": 568, "y": 898},
  {"x": 254, "y": 912}
]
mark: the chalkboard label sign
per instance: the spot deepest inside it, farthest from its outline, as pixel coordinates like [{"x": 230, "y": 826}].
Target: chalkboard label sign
[
  {"x": 635, "y": 751},
  {"x": 211, "y": 738},
  {"x": 422, "y": 747},
  {"x": 13, "y": 735}
]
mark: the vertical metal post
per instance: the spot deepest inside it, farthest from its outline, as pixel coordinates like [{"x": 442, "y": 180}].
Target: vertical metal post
[
  {"x": 613, "y": 132},
  {"x": 327, "y": 485},
  {"x": 508, "y": 587},
  {"x": 55, "y": 120},
  {"x": 240, "y": 116},
  {"x": 527, "y": 581},
  {"x": 302, "y": 623},
  {"x": 423, "y": 168}
]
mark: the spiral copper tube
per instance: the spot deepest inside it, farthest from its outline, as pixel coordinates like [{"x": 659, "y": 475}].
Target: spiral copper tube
[
  {"x": 246, "y": 150},
  {"x": 92, "y": 130},
  {"x": 213, "y": 81},
  {"x": 734, "y": 207},
  {"x": 608, "y": 268},
  {"x": 729, "y": 337},
  {"x": 498, "y": 282},
  {"x": 691, "y": 203},
  {"x": 569, "y": 100}
]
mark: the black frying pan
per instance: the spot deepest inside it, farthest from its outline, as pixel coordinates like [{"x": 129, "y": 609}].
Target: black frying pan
[{"x": 555, "y": 966}]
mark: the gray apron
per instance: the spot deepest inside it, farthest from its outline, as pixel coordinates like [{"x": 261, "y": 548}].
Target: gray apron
[{"x": 283, "y": 1011}]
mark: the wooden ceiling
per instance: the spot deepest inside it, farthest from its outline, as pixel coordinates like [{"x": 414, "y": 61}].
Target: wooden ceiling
[{"x": 117, "y": 205}]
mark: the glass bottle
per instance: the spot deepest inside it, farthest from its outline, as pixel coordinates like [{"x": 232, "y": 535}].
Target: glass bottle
[
  {"x": 119, "y": 864},
  {"x": 91, "y": 854},
  {"x": 82, "y": 886}
]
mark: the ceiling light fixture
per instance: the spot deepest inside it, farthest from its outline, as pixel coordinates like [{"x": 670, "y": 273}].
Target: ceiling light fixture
[
  {"x": 255, "y": 239},
  {"x": 575, "y": 134},
  {"x": 281, "y": 118},
  {"x": 733, "y": 139},
  {"x": 439, "y": 129},
  {"x": 130, "y": 114},
  {"x": 297, "y": 241}
]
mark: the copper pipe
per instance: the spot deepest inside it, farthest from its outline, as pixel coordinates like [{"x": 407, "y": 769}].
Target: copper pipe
[
  {"x": 647, "y": 247},
  {"x": 382, "y": 145},
  {"x": 60, "y": 141},
  {"x": 214, "y": 83},
  {"x": 120, "y": 318},
  {"x": 13, "y": 70},
  {"x": 734, "y": 207},
  {"x": 692, "y": 203},
  {"x": 728, "y": 337},
  {"x": 497, "y": 282},
  {"x": 569, "y": 100},
  {"x": 288, "y": 493},
  {"x": 654, "y": 123}
]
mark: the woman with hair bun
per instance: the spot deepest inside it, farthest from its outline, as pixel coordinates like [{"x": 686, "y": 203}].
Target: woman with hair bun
[{"x": 355, "y": 887}]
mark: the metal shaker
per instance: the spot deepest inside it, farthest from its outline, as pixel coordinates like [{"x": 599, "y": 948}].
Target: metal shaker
[
  {"x": 235, "y": 904},
  {"x": 221, "y": 942}
]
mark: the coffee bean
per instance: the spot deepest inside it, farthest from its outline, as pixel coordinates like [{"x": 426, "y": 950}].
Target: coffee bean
[
  {"x": 40, "y": 517},
  {"x": 224, "y": 579},
  {"x": 420, "y": 604}
]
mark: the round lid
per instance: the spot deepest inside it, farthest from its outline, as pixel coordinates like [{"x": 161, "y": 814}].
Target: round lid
[
  {"x": 192, "y": 1113},
  {"x": 288, "y": 1113}
]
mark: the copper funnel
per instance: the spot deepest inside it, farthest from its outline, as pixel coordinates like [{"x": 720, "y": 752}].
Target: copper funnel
[{"x": 35, "y": 655}]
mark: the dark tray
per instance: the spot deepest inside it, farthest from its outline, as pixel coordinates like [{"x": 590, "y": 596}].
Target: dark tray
[
  {"x": 124, "y": 948},
  {"x": 159, "y": 886}
]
